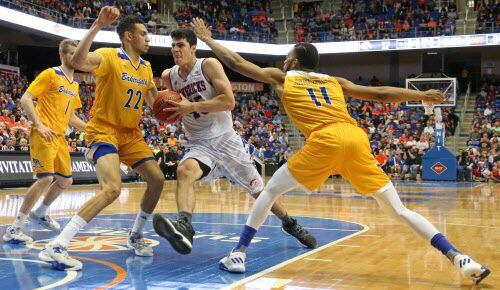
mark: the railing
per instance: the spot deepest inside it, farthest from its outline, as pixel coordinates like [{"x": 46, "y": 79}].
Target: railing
[
  {"x": 374, "y": 34},
  {"x": 262, "y": 165},
  {"x": 487, "y": 27},
  {"x": 464, "y": 110},
  {"x": 246, "y": 37}
]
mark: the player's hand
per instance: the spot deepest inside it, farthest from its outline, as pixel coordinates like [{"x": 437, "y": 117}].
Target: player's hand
[
  {"x": 202, "y": 31},
  {"x": 108, "y": 15},
  {"x": 47, "y": 133},
  {"x": 433, "y": 97},
  {"x": 180, "y": 109}
]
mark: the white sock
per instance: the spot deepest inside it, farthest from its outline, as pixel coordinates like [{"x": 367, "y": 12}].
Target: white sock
[
  {"x": 20, "y": 220},
  {"x": 390, "y": 202},
  {"x": 41, "y": 211},
  {"x": 70, "y": 230},
  {"x": 140, "y": 221},
  {"x": 281, "y": 182}
]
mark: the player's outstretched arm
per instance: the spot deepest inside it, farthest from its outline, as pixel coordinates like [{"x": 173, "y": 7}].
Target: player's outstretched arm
[
  {"x": 388, "y": 94},
  {"x": 234, "y": 61},
  {"x": 82, "y": 59}
]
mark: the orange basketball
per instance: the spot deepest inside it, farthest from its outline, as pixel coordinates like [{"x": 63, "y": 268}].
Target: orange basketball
[{"x": 161, "y": 103}]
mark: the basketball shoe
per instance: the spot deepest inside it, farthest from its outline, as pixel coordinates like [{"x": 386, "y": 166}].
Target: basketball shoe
[
  {"x": 179, "y": 234},
  {"x": 15, "y": 235},
  {"x": 136, "y": 242},
  {"x": 234, "y": 262},
  {"x": 59, "y": 258},
  {"x": 45, "y": 221},
  {"x": 301, "y": 234},
  {"x": 471, "y": 269}
]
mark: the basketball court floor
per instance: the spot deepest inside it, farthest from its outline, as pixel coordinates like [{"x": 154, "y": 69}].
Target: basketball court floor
[{"x": 359, "y": 247}]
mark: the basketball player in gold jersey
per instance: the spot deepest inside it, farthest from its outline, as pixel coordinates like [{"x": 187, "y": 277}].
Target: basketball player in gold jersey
[
  {"x": 315, "y": 103},
  {"x": 124, "y": 82},
  {"x": 57, "y": 97}
]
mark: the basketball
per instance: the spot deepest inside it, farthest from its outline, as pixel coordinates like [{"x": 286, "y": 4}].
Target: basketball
[{"x": 161, "y": 103}]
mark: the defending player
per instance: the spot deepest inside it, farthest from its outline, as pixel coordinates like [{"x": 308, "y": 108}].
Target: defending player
[
  {"x": 57, "y": 97},
  {"x": 124, "y": 82},
  {"x": 215, "y": 148},
  {"x": 315, "y": 103}
]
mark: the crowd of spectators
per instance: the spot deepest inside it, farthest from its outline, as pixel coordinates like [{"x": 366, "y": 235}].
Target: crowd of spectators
[
  {"x": 488, "y": 16},
  {"x": 238, "y": 20},
  {"x": 481, "y": 160},
  {"x": 373, "y": 19}
]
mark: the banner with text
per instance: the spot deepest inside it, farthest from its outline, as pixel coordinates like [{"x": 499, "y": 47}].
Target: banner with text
[{"x": 16, "y": 168}]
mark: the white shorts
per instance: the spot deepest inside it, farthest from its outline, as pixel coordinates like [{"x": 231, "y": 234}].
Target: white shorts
[{"x": 226, "y": 156}]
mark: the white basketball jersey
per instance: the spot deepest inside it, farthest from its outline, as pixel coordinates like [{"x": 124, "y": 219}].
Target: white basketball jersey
[{"x": 196, "y": 88}]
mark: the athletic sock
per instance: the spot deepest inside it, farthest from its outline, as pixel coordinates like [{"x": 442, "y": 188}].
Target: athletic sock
[
  {"x": 20, "y": 220},
  {"x": 140, "y": 221},
  {"x": 245, "y": 238},
  {"x": 70, "y": 230},
  {"x": 441, "y": 243},
  {"x": 41, "y": 211}
]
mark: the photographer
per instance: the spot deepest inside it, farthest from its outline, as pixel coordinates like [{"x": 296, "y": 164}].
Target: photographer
[
  {"x": 464, "y": 168},
  {"x": 409, "y": 159},
  {"x": 171, "y": 162}
]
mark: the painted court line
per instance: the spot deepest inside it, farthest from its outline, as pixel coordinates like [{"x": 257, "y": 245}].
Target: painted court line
[{"x": 275, "y": 267}]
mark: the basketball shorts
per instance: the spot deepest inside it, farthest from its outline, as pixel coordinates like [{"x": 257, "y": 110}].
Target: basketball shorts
[
  {"x": 128, "y": 143},
  {"x": 49, "y": 158},
  {"x": 338, "y": 148},
  {"x": 226, "y": 157}
]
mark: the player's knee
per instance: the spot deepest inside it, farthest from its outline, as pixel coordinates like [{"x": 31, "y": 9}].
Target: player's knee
[
  {"x": 46, "y": 180},
  {"x": 399, "y": 213},
  {"x": 64, "y": 182},
  {"x": 111, "y": 192},
  {"x": 184, "y": 173},
  {"x": 156, "y": 179}
]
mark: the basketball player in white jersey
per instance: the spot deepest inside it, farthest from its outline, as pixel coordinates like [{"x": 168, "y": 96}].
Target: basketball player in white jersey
[{"x": 215, "y": 148}]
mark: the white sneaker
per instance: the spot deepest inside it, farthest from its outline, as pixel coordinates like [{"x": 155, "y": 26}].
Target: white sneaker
[
  {"x": 15, "y": 235},
  {"x": 470, "y": 269},
  {"x": 234, "y": 262},
  {"x": 59, "y": 258},
  {"x": 46, "y": 221},
  {"x": 136, "y": 242}
]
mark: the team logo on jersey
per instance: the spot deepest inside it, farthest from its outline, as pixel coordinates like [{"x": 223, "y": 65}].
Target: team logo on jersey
[
  {"x": 62, "y": 89},
  {"x": 95, "y": 244},
  {"x": 439, "y": 168},
  {"x": 36, "y": 163}
]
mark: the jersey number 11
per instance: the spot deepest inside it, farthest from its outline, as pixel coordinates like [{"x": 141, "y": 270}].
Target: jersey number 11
[{"x": 324, "y": 93}]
